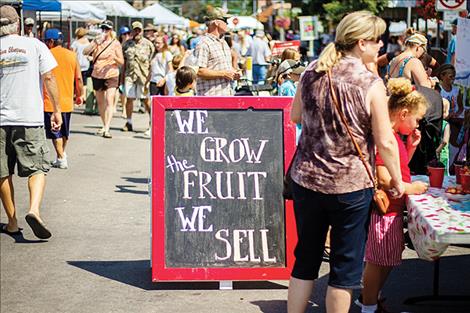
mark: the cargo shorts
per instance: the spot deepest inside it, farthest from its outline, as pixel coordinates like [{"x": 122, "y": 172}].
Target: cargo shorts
[{"x": 26, "y": 147}]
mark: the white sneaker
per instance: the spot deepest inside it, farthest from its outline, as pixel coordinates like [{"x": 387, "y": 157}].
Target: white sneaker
[
  {"x": 61, "y": 163},
  {"x": 147, "y": 133}
]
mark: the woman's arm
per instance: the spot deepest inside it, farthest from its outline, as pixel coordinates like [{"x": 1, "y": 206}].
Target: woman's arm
[
  {"x": 90, "y": 48},
  {"x": 296, "y": 110},
  {"x": 384, "y": 179},
  {"x": 383, "y": 135},
  {"x": 418, "y": 73}
]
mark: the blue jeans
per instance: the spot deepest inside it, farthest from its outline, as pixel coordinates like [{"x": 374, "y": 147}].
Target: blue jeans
[
  {"x": 259, "y": 73},
  {"x": 348, "y": 215}
]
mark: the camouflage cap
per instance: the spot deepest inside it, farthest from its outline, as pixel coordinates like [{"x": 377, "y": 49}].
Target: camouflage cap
[{"x": 217, "y": 14}]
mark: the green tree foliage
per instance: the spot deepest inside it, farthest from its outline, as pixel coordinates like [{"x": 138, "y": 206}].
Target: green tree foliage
[
  {"x": 335, "y": 10},
  {"x": 197, "y": 9}
]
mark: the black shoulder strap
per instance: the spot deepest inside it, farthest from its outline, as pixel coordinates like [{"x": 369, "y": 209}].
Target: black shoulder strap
[{"x": 109, "y": 44}]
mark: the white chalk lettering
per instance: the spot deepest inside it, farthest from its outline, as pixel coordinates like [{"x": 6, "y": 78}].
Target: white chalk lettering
[
  {"x": 251, "y": 244},
  {"x": 198, "y": 212},
  {"x": 222, "y": 186},
  {"x": 202, "y": 216},
  {"x": 239, "y": 242},
  {"x": 264, "y": 244},
  {"x": 256, "y": 181},
  {"x": 228, "y": 183},
  {"x": 237, "y": 239},
  {"x": 251, "y": 153},
  {"x": 185, "y": 221},
  {"x": 186, "y": 125},
  {"x": 228, "y": 247},
  {"x": 178, "y": 165},
  {"x": 212, "y": 149}
]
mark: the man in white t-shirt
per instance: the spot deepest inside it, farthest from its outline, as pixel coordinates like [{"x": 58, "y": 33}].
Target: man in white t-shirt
[
  {"x": 25, "y": 64},
  {"x": 261, "y": 55}
]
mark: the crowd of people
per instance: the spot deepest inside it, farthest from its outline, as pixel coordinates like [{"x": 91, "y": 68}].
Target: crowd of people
[{"x": 384, "y": 99}]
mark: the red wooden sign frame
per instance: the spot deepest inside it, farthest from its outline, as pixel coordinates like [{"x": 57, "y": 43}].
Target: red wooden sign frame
[{"x": 159, "y": 270}]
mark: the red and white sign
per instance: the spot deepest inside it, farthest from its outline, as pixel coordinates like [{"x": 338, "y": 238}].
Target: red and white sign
[
  {"x": 280, "y": 46},
  {"x": 454, "y": 5}
]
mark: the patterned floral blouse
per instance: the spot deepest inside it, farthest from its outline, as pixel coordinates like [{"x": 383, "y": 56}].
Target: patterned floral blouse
[{"x": 326, "y": 160}]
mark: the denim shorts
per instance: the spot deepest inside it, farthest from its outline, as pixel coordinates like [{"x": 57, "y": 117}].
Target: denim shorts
[
  {"x": 64, "y": 130},
  {"x": 26, "y": 147},
  {"x": 348, "y": 216}
]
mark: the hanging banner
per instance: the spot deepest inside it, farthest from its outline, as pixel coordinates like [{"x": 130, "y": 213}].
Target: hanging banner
[
  {"x": 308, "y": 27},
  {"x": 462, "y": 57},
  {"x": 449, "y": 17}
]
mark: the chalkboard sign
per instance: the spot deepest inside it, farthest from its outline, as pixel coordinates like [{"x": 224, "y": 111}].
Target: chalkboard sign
[{"x": 217, "y": 171}]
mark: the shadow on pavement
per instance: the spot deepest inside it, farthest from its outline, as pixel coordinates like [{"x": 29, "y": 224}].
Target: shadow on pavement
[
  {"x": 138, "y": 273},
  {"x": 19, "y": 238},
  {"x": 268, "y": 306},
  {"x": 129, "y": 189},
  {"x": 136, "y": 180}
]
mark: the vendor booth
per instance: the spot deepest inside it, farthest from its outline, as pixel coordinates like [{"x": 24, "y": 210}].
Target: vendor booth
[{"x": 163, "y": 16}]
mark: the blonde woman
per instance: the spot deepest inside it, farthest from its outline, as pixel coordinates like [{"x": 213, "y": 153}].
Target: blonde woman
[
  {"x": 78, "y": 46},
  {"x": 107, "y": 53},
  {"x": 331, "y": 186},
  {"x": 159, "y": 67},
  {"x": 407, "y": 64}
]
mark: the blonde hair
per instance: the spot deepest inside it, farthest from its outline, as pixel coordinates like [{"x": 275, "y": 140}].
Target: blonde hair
[
  {"x": 353, "y": 27},
  {"x": 404, "y": 96},
  {"x": 80, "y": 32},
  {"x": 289, "y": 54},
  {"x": 176, "y": 61}
]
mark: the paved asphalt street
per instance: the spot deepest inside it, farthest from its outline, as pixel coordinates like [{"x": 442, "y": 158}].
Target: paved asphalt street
[{"x": 98, "y": 257}]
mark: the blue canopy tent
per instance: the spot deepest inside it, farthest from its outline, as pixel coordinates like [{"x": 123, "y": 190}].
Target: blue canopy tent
[
  {"x": 35, "y": 5},
  {"x": 41, "y": 5}
]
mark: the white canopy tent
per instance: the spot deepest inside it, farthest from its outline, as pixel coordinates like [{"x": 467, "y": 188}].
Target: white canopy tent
[
  {"x": 115, "y": 8},
  {"x": 163, "y": 16},
  {"x": 243, "y": 22},
  {"x": 75, "y": 11}
]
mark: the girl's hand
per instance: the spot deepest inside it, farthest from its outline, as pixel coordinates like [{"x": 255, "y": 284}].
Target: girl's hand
[
  {"x": 419, "y": 187},
  {"x": 413, "y": 139}
]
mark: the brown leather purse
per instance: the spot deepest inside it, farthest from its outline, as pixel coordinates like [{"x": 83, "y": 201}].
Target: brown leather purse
[{"x": 381, "y": 201}]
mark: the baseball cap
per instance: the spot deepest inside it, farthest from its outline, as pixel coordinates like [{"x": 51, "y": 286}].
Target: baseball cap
[
  {"x": 290, "y": 66},
  {"x": 217, "y": 14},
  {"x": 137, "y": 24},
  {"x": 52, "y": 33},
  {"x": 29, "y": 21},
  {"x": 107, "y": 24},
  {"x": 8, "y": 15},
  {"x": 124, "y": 30},
  {"x": 150, "y": 26},
  {"x": 455, "y": 21}
]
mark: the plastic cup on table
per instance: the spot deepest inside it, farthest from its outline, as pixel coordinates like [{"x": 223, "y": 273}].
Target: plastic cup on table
[
  {"x": 465, "y": 182},
  {"x": 457, "y": 167},
  {"x": 436, "y": 176}
]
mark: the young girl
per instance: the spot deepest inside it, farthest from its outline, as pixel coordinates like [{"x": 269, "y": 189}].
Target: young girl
[
  {"x": 185, "y": 81},
  {"x": 159, "y": 67},
  {"x": 449, "y": 91},
  {"x": 442, "y": 151},
  {"x": 385, "y": 242}
]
